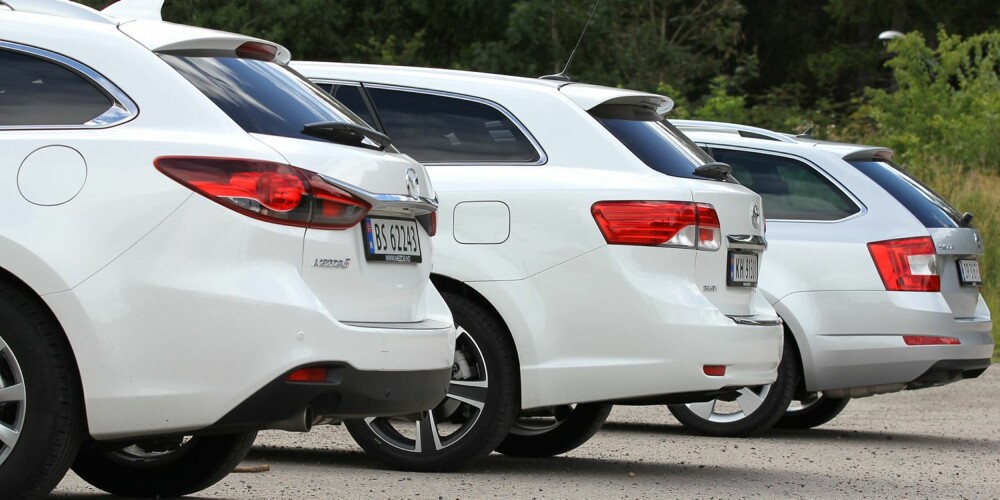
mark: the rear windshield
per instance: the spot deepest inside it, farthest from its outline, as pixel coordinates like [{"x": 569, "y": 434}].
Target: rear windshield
[
  {"x": 652, "y": 139},
  {"x": 262, "y": 97},
  {"x": 928, "y": 207}
]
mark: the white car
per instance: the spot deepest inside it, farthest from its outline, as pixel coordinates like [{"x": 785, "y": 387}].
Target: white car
[
  {"x": 876, "y": 276},
  {"x": 183, "y": 254},
  {"x": 577, "y": 272}
]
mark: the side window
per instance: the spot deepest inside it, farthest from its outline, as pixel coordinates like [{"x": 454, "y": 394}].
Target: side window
[
  {"x": 439, "y": 129},
  {"x": 350, "y": 96},
  {"x": 790, "y": 189},
  {"x": 36, "y": 92}
]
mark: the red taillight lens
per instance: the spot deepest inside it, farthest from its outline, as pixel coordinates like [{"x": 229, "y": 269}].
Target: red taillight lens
[
  {"x": 925, "y": 340},
  {"x": 308, "y": 375},
  {"x": 257, "y": 50},
  {"x": 709, "y": 229},
  {"x": 907, "y": 265},
  {"x": 655, "y": 223},
  {"x": 430, "y": 222},
  {"x": 268, "y": 191}
]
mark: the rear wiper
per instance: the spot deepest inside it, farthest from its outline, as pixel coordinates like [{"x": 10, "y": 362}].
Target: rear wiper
[
  {"x": 349, "y": 134},
  {"x": 715, "y": 170},
  {"x": 966, "y": 220}
]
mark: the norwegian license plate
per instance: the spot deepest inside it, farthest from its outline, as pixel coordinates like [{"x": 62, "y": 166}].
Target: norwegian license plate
[
  {"x": 390, "y": 239},
  {"x": 968, "y": 272},
  {"x": 742, "y": 269}
]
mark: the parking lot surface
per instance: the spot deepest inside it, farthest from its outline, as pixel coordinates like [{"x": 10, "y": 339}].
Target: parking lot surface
[{"x": 941, "y": 442}]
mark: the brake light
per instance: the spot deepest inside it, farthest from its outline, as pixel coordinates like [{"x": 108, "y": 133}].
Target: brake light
[
  {"x": 257, "y": 50},
  {"x": 925, "y": 340},
  {"x": 659, "y": 223},
  {"x": 268, "y": 191},
  {"x": 907, "y": 265}
]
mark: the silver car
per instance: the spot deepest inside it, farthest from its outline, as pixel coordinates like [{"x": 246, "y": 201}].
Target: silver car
[{"x": 876, "y": 276}]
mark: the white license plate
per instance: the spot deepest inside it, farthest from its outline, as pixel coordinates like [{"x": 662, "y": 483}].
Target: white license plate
[
  {"x": 968, "y": 271},
  {"x": 742, "y": 269},
  {"x": 388, "y": 239}
]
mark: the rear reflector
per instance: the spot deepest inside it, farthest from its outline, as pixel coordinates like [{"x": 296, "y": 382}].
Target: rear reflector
[
  {"x": 257, "y": 50},
  {"x": 924, "y": 340},
  {"x": 659, "y": 223},
  {"x": 268, "y": 191},
  {"x": 907, "y": 265},
  {"x": 308, "y": 375},
  {"x": 715, "y": 370}
]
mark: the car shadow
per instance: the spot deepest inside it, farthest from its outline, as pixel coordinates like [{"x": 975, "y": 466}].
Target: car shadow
[{"x": 814, "y": 435}]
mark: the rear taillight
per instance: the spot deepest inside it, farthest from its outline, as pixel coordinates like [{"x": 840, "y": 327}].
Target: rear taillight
[
  {"x": 907, "y": 265},
  {"x": 659, "y": 223},
  {"x": 268, "y": 191},
  {"x": 430, "y": 222}
]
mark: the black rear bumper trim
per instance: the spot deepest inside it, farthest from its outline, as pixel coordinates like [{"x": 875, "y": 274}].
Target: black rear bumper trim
[{"x": 948, "y": 371}]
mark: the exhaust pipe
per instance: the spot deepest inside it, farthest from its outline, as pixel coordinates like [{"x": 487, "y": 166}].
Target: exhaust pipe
[{"x": 300, "y": 421}]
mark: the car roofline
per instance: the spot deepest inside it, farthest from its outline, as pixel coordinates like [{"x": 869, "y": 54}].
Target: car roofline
[{"x": 847, "y": 151}]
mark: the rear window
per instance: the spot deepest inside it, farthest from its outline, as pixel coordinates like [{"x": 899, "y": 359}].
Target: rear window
[
  {"x": 930, "y": 208},
  {"x": 262, "y": 97},
  {"x": 652, "y": 139}
]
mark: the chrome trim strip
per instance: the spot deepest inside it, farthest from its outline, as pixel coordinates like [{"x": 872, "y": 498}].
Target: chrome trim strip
[
  {"x": 122, "y": 107},
  {"x": 747, "y": 241},
  {"x": 427, "y": 324},
  {"x": 542, "y": 157},
  {"x": 388, "y": 203},
  {"x": 757, "y": 321}
]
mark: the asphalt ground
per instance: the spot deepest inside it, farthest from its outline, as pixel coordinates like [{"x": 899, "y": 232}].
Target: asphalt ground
[{"x": 941, "y": 442}]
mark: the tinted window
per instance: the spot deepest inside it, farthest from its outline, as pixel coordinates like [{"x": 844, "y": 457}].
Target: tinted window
[
  {"x": 439, "y": 129},
  {"x": 262, "y": 97},
  {"x": 790, "y": 189},
  {"x": 350, "y": 96},
  {"x": 652, "y": 139},
  {"x": 38, "y": 92},
  {"x": 927, "y": 206}
]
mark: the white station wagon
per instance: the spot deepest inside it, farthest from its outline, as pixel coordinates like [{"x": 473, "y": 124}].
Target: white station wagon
[{"x": 577, "y": 271}]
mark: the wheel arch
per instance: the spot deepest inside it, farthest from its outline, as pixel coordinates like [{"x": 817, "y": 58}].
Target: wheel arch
[
  {"x": 446, "y": 284},
  {"x": 12, "y": 279},
  {"x": 794, "y": 331}
]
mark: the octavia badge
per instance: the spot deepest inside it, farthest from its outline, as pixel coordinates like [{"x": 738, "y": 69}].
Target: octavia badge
[
  {"x": 412, "y": 182},
  {"x": 755, "y": 217}
]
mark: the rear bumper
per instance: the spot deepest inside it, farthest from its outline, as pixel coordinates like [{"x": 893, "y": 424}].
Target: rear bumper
[
  {"x": 346, "y": 393},
  {"x": 854, "y": 340}
]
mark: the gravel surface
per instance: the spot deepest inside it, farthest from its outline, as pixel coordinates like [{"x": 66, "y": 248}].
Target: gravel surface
[{"x": 941, "y": 442}]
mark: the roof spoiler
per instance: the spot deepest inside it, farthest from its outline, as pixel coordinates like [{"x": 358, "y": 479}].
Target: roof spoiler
[
  {"x": 884, "y": 154},
  {"x": 148, "y": 10},
  {"x": 61, "y": 8}
]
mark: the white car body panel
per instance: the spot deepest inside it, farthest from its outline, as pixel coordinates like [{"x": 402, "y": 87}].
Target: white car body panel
[
  {"x": 821, "y": 278},
  {"x": 591, "y": 321}
]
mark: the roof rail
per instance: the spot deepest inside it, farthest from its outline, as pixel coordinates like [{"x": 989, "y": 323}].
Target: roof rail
[
  {"x": 61, "y": 8},
  {"x": 733, "y": 128}
]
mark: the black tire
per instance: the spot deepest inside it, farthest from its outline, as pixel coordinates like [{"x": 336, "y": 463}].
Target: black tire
[
  {"x": 566, "y": 429},
  {"x": 35, "y": 357},
  {"x": 489, "y": 358},
  {"x": 814, "y": 415},
  {"x": 162, "y": 467},
  {"x": 737, "y": 424}
]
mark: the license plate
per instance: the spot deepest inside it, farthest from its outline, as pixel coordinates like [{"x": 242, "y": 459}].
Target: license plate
[
  {"x": 968, "y": 272},
  {"x": 389, "y": 239},
  {"x": 742, "y": 269}
]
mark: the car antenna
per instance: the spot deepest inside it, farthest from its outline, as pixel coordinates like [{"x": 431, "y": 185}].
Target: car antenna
[
  {"x": 808, "y": 134},
  {"x": 562, "y": 76}
]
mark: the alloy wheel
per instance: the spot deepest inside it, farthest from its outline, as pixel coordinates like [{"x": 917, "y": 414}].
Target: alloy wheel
[
  {"x": 732, "y": 409},
  {"x": 13, "y": 401},
  {"x": 454, "y": 417}
]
